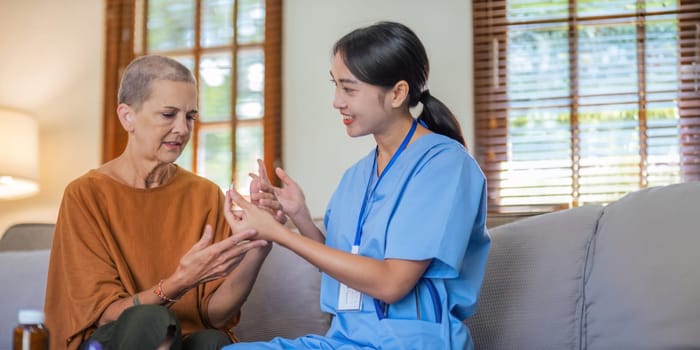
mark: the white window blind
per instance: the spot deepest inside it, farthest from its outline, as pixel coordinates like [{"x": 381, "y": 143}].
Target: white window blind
[{"x": 583, "y": 101}]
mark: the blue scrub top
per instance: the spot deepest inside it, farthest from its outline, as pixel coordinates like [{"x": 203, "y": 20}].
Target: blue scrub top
[{"x": 430, "y": 205}]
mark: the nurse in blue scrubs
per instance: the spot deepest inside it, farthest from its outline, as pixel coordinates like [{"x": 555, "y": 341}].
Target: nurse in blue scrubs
[{"x": 405, "y": 248}]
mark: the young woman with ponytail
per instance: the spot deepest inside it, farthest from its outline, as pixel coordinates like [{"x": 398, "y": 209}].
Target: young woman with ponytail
[{"x": 405, "y": 248}]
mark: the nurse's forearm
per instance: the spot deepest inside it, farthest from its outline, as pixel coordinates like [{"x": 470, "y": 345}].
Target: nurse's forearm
[
  {"x": 310, "y": 230},
  {"x": 388, "y": 280},
  {"x": 306, "y": 226}
]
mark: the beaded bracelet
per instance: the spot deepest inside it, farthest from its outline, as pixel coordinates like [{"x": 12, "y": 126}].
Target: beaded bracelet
[{"x": 159, "y": 292}]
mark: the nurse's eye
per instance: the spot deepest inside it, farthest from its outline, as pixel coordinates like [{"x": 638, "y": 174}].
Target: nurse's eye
[
  {"x": 192, "y": 116},
  {"x": 168, "y": 114}
]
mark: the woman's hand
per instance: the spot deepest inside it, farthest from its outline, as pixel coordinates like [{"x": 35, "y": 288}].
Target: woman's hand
[
  {"x": 248, "y": 217},
  {"x": 262, "y": 193},
  {"x": 206, "y": 261},
  {"x": 291, "y": 197}
]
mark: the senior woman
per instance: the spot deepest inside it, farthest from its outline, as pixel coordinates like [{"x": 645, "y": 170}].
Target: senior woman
[{"x": 142, "y": 256}]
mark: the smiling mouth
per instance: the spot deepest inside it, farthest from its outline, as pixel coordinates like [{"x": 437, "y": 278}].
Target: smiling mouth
[{"x": 347, "y": 119}]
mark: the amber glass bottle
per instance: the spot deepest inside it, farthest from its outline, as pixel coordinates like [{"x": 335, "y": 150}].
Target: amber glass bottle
[{"x": 30, "y": 333}]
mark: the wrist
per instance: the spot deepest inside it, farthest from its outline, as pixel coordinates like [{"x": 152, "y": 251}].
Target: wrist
[
  {"x": 165, "y": 297},
  {"x": 175, "y": 286},
  {"x": 302, "y": 218}
]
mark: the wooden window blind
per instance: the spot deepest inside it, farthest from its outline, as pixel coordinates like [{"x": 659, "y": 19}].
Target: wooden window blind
[
  {"x": 582, "y": 101},
  {"x": 233, "y": 47}
]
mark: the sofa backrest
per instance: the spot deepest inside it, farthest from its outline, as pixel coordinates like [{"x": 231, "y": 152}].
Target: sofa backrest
[
  {"x": 284, "y": 301},
  {"x": 533, "y": 281},
  {"x": 643, "y": 282},
  {"x": 620, "y": 277},
  {"x": 27, "y": 237}
]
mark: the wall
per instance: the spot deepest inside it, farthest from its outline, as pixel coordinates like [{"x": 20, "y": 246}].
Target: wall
[
  {"x": 52, "y": 66},
  {"x": 316, "y": 148}
]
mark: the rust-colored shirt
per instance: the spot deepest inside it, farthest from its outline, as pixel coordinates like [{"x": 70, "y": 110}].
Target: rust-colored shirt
[{"x": 113, "y": 240}]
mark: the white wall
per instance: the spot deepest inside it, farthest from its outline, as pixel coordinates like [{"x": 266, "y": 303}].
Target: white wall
[
  {"x": 316, "y": 148},
  {"x": 51, "y": 64}
]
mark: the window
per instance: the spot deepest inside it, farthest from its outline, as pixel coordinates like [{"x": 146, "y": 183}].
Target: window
[
  {"x": 233, "y": 48},
  {"x": 582, "y": 101}
]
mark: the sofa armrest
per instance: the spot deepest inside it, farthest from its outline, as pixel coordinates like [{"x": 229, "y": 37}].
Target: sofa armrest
[{"x": 23, "y": 275}]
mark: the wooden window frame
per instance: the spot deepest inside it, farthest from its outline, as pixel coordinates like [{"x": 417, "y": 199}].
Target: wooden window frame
[{"x": 119, "y": 51}]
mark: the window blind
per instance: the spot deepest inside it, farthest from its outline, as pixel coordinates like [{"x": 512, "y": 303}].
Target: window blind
[{"x": 580, "y": 102}]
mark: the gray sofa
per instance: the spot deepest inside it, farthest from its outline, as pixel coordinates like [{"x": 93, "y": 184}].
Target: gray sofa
[{"x": 624, "y": 276}]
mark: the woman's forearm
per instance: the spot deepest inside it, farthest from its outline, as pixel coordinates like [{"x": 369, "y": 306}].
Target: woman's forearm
[
  {"x": 232, "y": 293},
  {"x": 388, "y": 280},
  {"x": 306, "y": 226},
  {"x": 148, "y": 296}
]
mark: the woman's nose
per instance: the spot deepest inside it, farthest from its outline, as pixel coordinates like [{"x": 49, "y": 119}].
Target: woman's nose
[
  {"x": 181, "y": 125},
  {"x": 338, "y": 102}
]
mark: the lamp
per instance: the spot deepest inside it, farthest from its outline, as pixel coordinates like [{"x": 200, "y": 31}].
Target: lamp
[{"x": 19, "y": 155}]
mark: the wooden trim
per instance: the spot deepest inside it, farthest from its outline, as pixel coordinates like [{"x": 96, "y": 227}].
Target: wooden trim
[
  {"x": 234, "y": 91},
  {"x": 119, "y": 43},
  {"x": 272, "y": 119}
]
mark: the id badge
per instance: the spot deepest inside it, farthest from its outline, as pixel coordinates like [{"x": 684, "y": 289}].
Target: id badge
[{"x": 348, "y": 298}]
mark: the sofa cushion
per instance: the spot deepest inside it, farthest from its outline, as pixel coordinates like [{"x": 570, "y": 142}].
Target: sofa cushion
[
  {"x": 284, "y": 301},
  {"x": 642, "y": 289},
  {"x": 531, "y": 296},
  {"x": 22, "y": 286}
]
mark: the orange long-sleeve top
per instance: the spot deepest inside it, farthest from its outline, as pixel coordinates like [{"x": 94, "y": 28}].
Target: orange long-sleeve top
[{"x": 112, "y": 241}]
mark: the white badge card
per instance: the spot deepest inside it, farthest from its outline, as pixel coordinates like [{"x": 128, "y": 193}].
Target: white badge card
[{"x": 348, "y": 298}]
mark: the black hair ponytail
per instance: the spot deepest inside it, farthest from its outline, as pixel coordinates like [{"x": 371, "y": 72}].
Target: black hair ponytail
[
  {"x": 388, "y": 52},
  {"x": 439, "y": 118}
]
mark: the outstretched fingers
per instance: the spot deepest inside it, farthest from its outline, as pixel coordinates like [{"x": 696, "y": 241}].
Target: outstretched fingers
[
  {"x": 205, "y": 239},
  {"x": 286, "y": 179}
]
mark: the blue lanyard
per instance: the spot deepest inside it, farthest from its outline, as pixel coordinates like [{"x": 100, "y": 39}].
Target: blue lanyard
[
  {"x": 368, "y": 194},
  {"x": 380, "y": 307}
]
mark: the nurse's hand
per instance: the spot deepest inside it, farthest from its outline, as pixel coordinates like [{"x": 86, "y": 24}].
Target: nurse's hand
[
  {"x": 262, "y": 193},
  {"x": 248, "y": 217},
  {"x": 292, "y": 198}
]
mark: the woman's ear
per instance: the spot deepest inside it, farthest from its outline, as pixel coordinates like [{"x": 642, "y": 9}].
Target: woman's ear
[
  {"x": 124, "y": 113},
  {"x": 399, "y": 94}
]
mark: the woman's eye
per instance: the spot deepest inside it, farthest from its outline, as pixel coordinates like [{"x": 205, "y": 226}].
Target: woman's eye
[
  {"x": 191, "y": 117},
  {"x": 347, "y": 91},
  {"x": 168, "y": 115}
]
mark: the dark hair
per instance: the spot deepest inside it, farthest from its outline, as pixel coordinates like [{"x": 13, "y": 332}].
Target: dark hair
[
  {"x": 135, "y": 86},
  {"x": 388, "y": 52}
]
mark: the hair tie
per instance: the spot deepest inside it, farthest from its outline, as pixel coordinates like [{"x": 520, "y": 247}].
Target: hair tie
[{"x": 424, "y": 95}]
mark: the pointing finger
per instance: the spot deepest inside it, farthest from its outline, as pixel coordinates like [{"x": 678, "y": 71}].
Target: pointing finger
[{"x": 262, "y": 170}]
